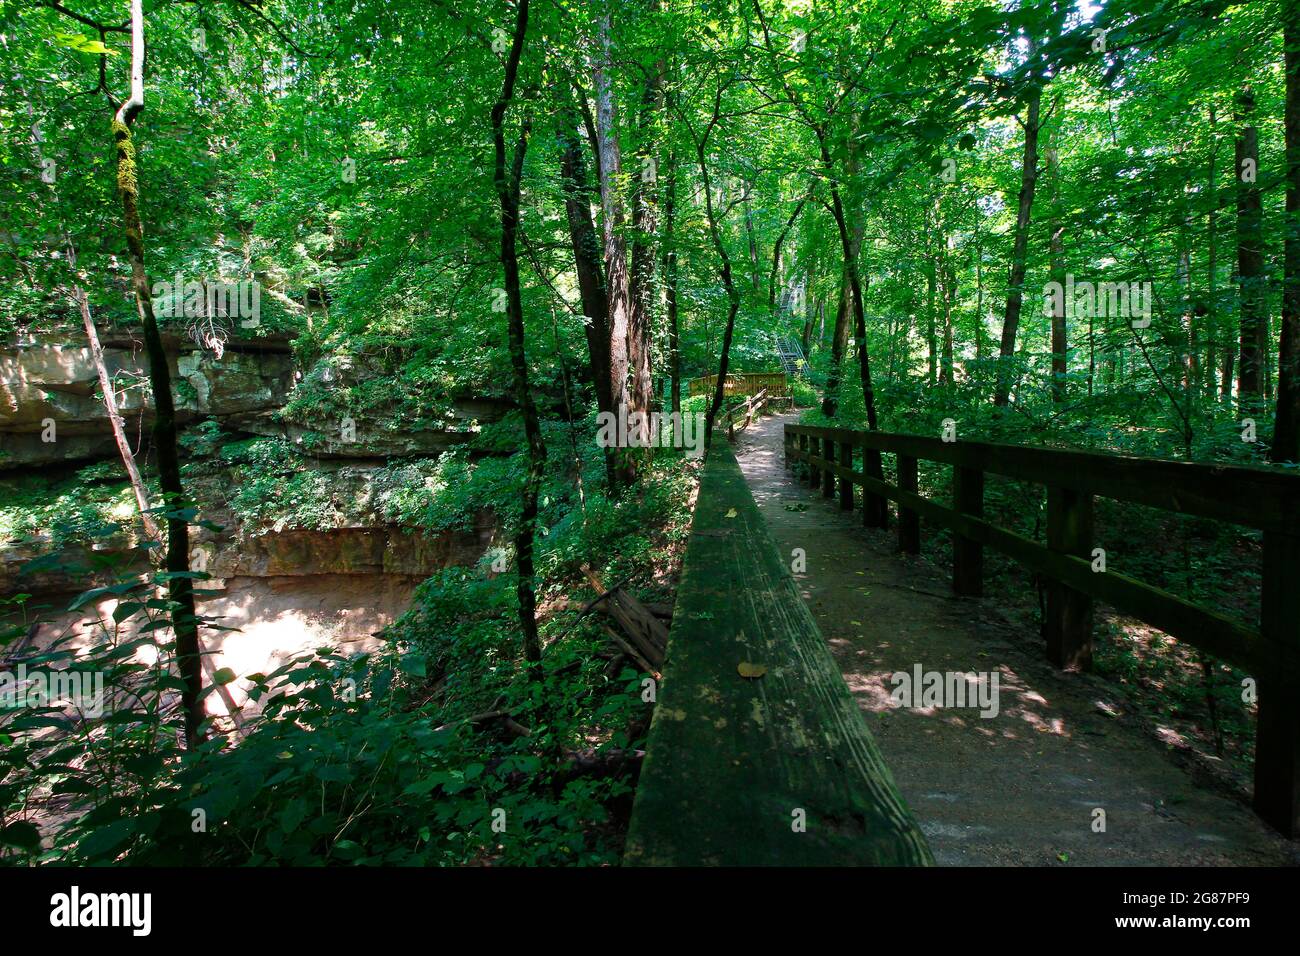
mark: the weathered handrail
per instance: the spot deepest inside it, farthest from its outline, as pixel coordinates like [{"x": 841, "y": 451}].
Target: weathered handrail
[
  {"x": 757, "y": 753},
  {"x": 742, "y": 383},
  {"x": 1252, "y": 497},
  {"x": 751, "y": 406}
]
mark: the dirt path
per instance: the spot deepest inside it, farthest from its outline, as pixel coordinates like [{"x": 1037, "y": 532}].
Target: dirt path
[{"x": 1021, "y": 787}]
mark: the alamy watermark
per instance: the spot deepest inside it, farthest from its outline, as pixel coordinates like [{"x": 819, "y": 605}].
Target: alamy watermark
[
  {"x": 1123, "y": 300},
  {"x": 83, "y": 690},
  {"x": 671, "y": 430},
  {"x": 950, "y": 689}
]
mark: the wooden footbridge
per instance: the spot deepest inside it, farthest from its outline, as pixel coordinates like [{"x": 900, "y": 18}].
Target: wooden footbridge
[{"x": 757, "y": 753}]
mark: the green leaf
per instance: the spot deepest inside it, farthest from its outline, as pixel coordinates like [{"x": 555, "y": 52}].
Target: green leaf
[{"x": 21, "y": 834}]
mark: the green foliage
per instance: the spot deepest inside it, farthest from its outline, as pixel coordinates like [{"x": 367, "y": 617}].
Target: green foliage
[{"x": 65, "y": 511}]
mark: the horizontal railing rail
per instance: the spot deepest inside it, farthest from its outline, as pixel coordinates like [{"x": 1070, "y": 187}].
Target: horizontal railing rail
[
  {"x": 1251, "y": 497},
  {"x": 733, "y": 755},
  {"x": 742, "y": 383}
]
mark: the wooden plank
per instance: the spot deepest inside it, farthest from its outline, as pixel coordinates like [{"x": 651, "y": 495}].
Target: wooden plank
[
  {"x": 731, "y": 761},
  {"x": 967, "y": 553},
  {"x": 1253, "y": 497},
  {"x": 1067, "y": 625}
]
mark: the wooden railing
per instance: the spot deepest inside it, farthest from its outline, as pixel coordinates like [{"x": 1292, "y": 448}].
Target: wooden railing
[
  {"x": 742, "y": 383},
  {"x": 740, "y": 415},
  {"x": 754, "y": 730},
  {"x": 1252, "y": 497}
]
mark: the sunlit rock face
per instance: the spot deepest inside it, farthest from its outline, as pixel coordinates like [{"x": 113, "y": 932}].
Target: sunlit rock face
[
  {"x": 253, "y": 387},
  {"x": 51, "y": 390}
]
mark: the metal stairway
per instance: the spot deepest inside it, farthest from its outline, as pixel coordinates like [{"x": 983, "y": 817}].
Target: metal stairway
[{"x": 790, "y": 351}]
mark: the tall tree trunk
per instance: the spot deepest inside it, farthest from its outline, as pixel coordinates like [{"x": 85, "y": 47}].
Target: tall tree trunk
[
  {"x": 752, "y": 236},
  {"x": 180, "y": 587},
  {"x": 670, "y": 284},
  {"x": 979, "y": 295},
  {"x": 1250, "y": 257},
  {"x": 645, "y": 216},
  {"x": 849, "y": 248},
  {"x": 507, "y": 182},
  {"x": 948, "y": 295},
  {"x": 586, "y": 259},
  {"x": 1212, "y": 263},
  {"x": 839, "y": 343},
  {"x": 617, "y": 280},
  {"x": 931, "y": 307},
  {"x": 728, "y": 282},
  {"x": 810, "y": 317},
  {"x": 1020, "y": 247},
  {"x": 115, "y": 419},
  {"x": 1056, "y": 268},
  {"x": 1286, "y": 429},
  {"x": 780, "y": 243}
]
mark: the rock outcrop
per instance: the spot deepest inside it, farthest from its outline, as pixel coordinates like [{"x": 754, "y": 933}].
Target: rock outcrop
[{"x": 50, "y": 410}]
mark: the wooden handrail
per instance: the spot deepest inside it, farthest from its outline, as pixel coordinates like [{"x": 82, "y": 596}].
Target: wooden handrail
[
  {"x": 741, "y": 383},
  {"x": 1252, "y": 497},
  {"x": 752, "y": 406},
  {"x": 733, "y": 760}
]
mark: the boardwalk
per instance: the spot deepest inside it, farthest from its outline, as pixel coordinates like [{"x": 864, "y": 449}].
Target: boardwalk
[{"x": 1021, "y": 787}]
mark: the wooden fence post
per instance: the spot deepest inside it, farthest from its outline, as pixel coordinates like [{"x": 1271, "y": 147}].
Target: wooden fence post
[
  {"x": 967, "y": 555},
  {"x": 1277, "y": 730},
  {"x": 909, "y": 523},
  {"x": 875, "y": 509},
  {"x": 828, "y": 476},
  {"x": 803, "y": 448},
  {"x": 846, "y": 482},
  {"x": 815, "y": 450},
  {"x": 1068, "y": 624}
]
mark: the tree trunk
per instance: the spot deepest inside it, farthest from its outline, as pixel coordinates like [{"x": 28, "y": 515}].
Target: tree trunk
[
  {"x": 180, "y": 587},
  {"x": 1250, "y": 258},
  {"x": 947, "y": 295},
  {"x": 586, "y": 259},
  {"x": 115, "y": 420},
  {"x": 1286, "y": 429},
  {"x": 507, "y": 182},
  {"x": 810, "y": 318},
  {"x": 1212, "y": 264},
  {"x": 733, "y": 294},
  {"x": 776, "y": 250},
  {"x": 644, "y": 223},
  {"x": 850, "y": 245},
  {"x": 1056, "y": 267},
  {"x": 839, "y": 344},
  {"x": 752, "y": 236},
  {"x": 670, "y": 285},
  {"x": 1020, "y": 248},
  {"x": 617, "y": 280},
  {"x": 931, "y": 306}
]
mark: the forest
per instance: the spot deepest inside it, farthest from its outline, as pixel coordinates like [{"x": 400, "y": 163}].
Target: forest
[{"x": 363, "y": 363}]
